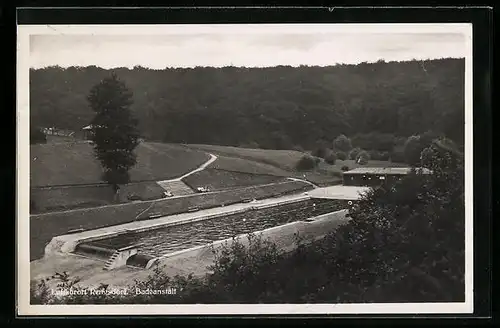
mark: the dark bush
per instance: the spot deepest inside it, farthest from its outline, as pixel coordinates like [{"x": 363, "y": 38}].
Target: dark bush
[
  {"x": 342, "y": 143},
  {"x": 341, "y": 155},
  {"x": 331, "y": 158},
  {"x": 397, "y": 156},
  {"x": 298, "y": 148},
  {"x": 362, "y": 157},
  {"x": 345, "y": 168},
  {"x": 412, "y": 149},
  {"x": 374, "y": 154},
  {"x": 306, "y": 163},
  {"x": 353, "y": 154},
  {"x": 320, "y": 152},
  {"x": 384, "y": 155},
  {"x": 374, "y": 141}
]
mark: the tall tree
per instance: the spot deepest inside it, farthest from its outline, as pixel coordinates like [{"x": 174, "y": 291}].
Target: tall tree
[{"x": 115, "y": 133}]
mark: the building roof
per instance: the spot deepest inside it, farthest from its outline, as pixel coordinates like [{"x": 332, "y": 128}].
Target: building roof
[
  {"x": 339, "y": 192},
  {"x": 385, "y": 170}
]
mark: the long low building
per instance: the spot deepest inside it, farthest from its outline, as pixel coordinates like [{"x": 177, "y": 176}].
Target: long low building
[
  {"x": 375, "y": 176},
  {"x": 339, "y": 192}
]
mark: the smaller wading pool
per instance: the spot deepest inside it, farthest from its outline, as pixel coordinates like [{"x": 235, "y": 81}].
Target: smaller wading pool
[{"x": 162, "y": 241}]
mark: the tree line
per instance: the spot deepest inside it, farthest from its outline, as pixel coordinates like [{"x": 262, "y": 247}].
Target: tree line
[{"x": 278, "y": 107}]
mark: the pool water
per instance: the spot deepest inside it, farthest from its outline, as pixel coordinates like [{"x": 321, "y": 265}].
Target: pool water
[{"x": 170, "y": 239}]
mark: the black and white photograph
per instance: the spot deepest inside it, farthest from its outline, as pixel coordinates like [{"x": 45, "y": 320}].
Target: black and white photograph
[{"x": 245, "y": 168}]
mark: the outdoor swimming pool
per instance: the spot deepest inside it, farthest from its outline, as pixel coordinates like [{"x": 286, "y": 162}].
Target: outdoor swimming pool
[{"x": 174, "y": 238}]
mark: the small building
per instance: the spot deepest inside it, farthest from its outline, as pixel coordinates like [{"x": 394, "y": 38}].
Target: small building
[{"x": 376, "y": 176}]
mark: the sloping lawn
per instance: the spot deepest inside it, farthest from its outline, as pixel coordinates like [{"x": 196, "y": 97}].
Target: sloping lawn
[
  {"x": 285, "y": 159},
  {"x": 264, "y": 161},
  {"x": 246, "y": 166},
  {"x": 74, "y": 163},
  {"x": 67, "y": 198},
  {"x": 220, "y": 179}
]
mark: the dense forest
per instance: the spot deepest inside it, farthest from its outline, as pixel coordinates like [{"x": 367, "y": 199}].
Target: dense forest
[{"x": 278, "y": 107}]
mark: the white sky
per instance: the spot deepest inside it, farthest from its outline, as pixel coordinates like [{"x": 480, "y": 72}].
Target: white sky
[{"x": 189, "y": 47}]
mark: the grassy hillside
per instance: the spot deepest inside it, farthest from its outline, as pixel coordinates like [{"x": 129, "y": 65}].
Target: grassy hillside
[
  {"x": 284, "y": 159},
  {"x": 64, "y": 198},
  {"x": 220, "y": 179},
  {"x": 281, "y": 163},
  {"x": 74, "y": 163}
]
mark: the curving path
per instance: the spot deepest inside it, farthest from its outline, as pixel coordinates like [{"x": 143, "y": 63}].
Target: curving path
[
  {"x": 305, "y": 181},
  {"x": 177, "y": 186}
]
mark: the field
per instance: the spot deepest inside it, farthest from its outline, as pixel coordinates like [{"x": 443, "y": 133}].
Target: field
[
  {"x": 216, "y": 179},
  {"x": 264, "y": 161},
  {"x": 74, "y": 163},
  {"x": 64, "y": 198},
  {"x": 282, "y": 163},
  {"x": 247, "y": 166},
  {"x": 66, "y": 175},
  {"x": 284, "y": 159},
  {"x": 45, "y": 226}
]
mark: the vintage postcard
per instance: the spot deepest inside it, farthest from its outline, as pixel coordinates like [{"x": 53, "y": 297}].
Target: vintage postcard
[{"x": 244, "y": 169}]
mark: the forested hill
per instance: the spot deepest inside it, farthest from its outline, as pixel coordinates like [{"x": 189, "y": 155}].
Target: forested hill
[{"x": 278, "y": 107}]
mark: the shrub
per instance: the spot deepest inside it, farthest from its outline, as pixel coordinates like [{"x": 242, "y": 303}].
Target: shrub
[
  {"x": 399, "y": 142},
  {"x": 397, "y": 156},
  {"x": 331, "y": 158},
  {"x": 353, "y": 154},
  {"x": 412, "y": 149},
  {"x": 428, "y": 137},
  {"x": 345, "y": 168},
  {"x": 426, "y": 157},
  {"x": 306, "y": 163},
  {"x": 342, "y": 143},
  {"x": 320, "y": 152},
  {"x": 317, "y": 160},
  {"x": 341, "y": 155},
  {"x": 362, "y": 157},
  {"x": 298, "y": 148},
  {"x": 374, "y": 154},
  {"x": 375, "y": 141},
  {"x": 384, "y": 155}
]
